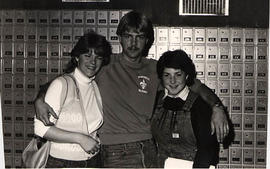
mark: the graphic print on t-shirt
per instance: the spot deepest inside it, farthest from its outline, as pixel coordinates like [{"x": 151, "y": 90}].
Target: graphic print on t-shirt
[{"x": 143, "y": 80}]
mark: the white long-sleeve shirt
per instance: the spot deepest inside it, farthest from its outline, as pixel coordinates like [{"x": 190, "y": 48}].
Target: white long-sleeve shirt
[{"x": 71, "y": 118}]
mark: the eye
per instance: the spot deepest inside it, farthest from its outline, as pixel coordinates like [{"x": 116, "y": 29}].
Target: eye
[
  {"x": 141, "y": 37},
  {"x": 86, "y": 55},
  {"x": 165, "y": 75},
  {"x": 126, "y": 36},
  {"x": 99, "y": 58}
]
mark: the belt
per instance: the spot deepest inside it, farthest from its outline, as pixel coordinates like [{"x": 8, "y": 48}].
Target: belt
[{"x": 130, "y": 144}]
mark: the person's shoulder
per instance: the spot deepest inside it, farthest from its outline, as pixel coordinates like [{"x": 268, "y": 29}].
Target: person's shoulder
[
  {"x": 199, "y": 100},
  {"x": 58, "y": 81},
  {"x": 195, "y": 87},
  {"x": 114, "y": 58},
  {"x": 56, "y": 87},
  {"x": 201, "y": 105},
  {"x": 160, "y": 97},
  {"x": 150, "y": 63}
]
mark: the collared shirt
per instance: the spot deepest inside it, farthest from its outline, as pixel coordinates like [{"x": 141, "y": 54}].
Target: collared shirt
[{"x": 182, "y": 94}]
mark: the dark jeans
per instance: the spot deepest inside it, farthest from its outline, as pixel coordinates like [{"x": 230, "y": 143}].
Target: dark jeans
[
  {"x": 140, "y": 154},
  {"x": 94, "y": 162}
]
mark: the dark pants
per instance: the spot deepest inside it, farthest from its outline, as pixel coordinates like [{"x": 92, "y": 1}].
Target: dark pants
[
  {"x": 94, "y": 162},
  {"x": 140, "y": 154}
]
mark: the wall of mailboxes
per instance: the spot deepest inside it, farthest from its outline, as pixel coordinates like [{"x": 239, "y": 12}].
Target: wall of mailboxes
[{"x": 36, "y": 45}]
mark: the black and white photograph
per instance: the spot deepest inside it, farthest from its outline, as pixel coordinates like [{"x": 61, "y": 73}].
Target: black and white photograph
[{"x": 134, "y": 84}]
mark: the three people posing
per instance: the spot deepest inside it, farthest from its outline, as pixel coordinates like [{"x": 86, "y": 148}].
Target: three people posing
[{"x": 128, "y": 86}]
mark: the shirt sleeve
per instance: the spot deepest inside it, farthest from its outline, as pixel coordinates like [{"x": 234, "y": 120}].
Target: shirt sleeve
[
  {"x": 196, "y": 86},
  {"x": 52, "y": 97},
  {"x": 207, "y": 145},
  {"x": 160, "y": 87}
]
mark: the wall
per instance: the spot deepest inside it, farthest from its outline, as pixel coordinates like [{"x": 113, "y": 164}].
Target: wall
[
  {"x": 35, "y": 46},
  {"x": 243, "y": 13},
  {"x": 230, "y": 54}
]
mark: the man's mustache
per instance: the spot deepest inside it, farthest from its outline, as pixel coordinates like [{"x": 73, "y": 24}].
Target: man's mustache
[{"x": 133, "y": 48}]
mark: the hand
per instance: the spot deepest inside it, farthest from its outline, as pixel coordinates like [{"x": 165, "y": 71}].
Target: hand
[
  {"x": 43, "y": 112},
  {"x": 219, "y": 123},
  {"x": 89, "y": 144}
]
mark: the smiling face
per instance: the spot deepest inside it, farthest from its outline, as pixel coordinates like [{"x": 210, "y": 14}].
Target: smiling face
[
  {"x": 89, "y": 63},
  {"x": 174, "y": 80},
  {"x": 133, "y": 44}
]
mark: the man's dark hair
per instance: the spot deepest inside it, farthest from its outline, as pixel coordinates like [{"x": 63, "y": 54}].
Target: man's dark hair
[
  {"x": 177, "y": 59},
  {"x": 140, "y": 23},
  {"x": 90, "y": 40}
]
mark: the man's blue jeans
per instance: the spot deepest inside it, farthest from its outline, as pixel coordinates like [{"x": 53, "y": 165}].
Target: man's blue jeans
[{"x": 140, "y": 154}]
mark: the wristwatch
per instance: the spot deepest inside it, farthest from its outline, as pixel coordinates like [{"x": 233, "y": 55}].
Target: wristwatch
[{"x": 218, "y": 104}]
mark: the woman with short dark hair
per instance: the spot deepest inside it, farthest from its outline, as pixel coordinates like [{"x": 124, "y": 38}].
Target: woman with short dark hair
[
  {"x": 76, "y": 100},
  {"x": 181, "y": 122}
]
